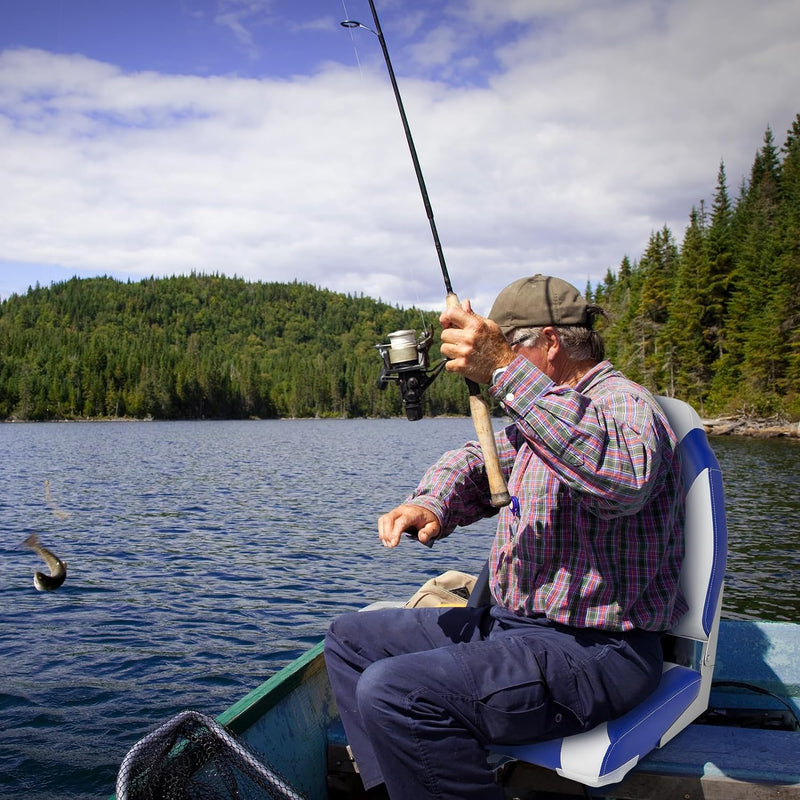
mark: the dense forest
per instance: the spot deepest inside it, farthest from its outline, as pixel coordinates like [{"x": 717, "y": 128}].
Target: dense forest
[
  {"x": 714, "y": 320},
  {"x": 200, "y": 346}
]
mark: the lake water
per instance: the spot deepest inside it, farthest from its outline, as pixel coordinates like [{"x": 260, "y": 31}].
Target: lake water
[{"x": 204, "y": 556}]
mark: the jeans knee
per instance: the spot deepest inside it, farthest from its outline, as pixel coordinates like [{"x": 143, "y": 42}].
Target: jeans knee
[
  {"x": 382, "y": 686},
  {"x": 342, "y": 625},
  {"x": 340, "y": 632}
]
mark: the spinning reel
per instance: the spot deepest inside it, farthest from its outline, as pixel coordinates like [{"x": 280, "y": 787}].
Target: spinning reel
[{"x": 405, "y": 360}]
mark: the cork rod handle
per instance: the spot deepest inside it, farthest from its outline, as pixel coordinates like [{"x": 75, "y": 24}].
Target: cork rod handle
[{"x": 479, "y": 411}]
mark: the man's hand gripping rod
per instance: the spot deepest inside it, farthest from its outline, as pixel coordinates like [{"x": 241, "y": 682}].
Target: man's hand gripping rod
[
  {"x": 483, "y": 428},
  {"x": 477, "y": 405}
]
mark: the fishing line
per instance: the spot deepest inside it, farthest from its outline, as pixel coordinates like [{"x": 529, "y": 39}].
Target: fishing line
[
  {"x": 478, "y": 408},
  {"x": 353, "y": 40}
]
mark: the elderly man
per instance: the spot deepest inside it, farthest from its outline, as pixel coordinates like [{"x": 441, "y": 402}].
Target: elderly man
[{"x": 583, "y": 568}]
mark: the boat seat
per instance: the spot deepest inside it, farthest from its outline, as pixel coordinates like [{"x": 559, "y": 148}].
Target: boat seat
[{"x": 607, "y": 752}]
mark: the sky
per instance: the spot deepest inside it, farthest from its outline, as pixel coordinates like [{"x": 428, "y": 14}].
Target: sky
[{"x": 259, "y": 138}]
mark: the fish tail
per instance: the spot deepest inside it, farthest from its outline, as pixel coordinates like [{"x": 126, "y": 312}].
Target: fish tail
[{"x": 31, "y": 541}]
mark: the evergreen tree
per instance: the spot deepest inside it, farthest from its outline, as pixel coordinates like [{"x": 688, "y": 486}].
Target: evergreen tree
[
  {"x": 751, "y": 361},
  {"x": 715, "y": 290},
  {"x": 658, "y": 268},
  {"x": 621, "y": 299},
  {"x": 685, "y": 351},
  {"x": 787, "y": 294}
]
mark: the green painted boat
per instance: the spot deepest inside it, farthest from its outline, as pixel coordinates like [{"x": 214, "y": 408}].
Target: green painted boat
[
  {"x": 746, "y": 746},
  {"x": 289, "y": 720}
]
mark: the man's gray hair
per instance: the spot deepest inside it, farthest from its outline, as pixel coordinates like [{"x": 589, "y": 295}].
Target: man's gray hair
[{"x": 580, "y": 343}]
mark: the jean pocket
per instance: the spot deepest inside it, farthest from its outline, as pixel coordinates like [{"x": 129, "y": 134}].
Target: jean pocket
[{"x": 526, "y": 713}]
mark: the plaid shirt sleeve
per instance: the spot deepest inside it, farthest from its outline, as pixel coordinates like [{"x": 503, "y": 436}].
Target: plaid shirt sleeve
[
  {"x": 456, "y": 488},
  {"x": 602, "y": 439}
]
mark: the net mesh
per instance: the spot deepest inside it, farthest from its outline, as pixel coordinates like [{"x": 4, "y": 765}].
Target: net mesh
[{"x": 192, "y": 756}]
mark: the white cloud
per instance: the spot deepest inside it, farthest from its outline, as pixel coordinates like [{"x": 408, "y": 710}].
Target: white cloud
[
  {"x": 240, "y": 17},
  {"x": 588, "y": 127}
]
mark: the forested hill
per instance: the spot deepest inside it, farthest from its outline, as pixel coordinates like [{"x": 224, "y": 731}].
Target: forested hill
[
  {"x": 200, "y": 347},
  {"x": 716, "y": 320}
]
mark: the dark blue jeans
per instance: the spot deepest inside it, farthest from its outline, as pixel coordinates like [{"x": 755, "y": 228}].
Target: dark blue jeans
[{"x": 421, "y": 692}]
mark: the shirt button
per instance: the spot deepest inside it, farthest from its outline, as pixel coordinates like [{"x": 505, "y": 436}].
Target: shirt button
[
  {"x": 509, "y": 398},
  {"x": 558, "y": 718}
]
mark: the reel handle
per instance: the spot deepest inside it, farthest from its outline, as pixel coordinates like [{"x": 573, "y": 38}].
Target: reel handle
[{"x": 479, "y": 411}]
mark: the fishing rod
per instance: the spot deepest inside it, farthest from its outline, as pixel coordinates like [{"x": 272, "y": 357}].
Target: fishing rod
[{"x": 412, "y": 372}]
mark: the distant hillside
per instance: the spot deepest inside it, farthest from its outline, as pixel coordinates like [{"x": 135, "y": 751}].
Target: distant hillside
[{"x": 200, "y": 347}]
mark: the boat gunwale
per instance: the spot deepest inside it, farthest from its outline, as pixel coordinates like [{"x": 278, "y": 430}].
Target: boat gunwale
[{"x": 242, "y": 714}]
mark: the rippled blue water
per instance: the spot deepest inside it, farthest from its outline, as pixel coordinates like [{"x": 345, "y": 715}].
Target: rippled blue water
[
  {"x": 204, "y": 556},
  {"x": 762, "y": 496}
]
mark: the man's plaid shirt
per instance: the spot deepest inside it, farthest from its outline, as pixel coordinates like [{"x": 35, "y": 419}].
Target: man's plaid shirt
[{"x": 595, "y": 535}]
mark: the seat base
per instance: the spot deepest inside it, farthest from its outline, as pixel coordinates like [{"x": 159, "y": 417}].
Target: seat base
[{"x": 608, "y": 751}]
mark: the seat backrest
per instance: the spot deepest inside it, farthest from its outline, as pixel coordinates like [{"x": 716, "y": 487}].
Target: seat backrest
[
  {"x": 705, "y": 532},
  {"x": 693, "y": 640}
]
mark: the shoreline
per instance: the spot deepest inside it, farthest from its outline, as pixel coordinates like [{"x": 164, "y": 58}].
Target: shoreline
[
  {"x": 752, "y": 427},
  {"x": 719, "y": 426}
]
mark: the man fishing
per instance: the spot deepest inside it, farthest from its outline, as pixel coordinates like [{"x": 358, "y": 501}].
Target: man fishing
[{"x": 583, "y": 568}]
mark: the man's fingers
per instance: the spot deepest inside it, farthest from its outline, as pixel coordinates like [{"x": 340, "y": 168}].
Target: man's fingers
[
  {"x": 385, "y": 528},
  {"x": 407, "y": 519},
  {"x": 457, "y": 316},
  {"x": 428, "y": 533}
]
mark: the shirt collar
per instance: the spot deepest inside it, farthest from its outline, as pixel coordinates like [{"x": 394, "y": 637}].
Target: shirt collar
[{"x": 595, "y": 375}]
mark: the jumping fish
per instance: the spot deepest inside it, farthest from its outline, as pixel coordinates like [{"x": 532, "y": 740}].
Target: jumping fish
[{"x": 58, "y": 568}]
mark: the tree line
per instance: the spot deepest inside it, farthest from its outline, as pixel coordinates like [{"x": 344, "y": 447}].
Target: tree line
[
  {"x": 200, "y": 346},
  {"x": 714, "y": 321}
]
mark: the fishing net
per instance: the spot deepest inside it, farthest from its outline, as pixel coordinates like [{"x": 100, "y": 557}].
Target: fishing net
[{"x": 192, "y": 757}]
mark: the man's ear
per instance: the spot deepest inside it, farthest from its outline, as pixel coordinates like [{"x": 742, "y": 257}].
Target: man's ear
[{"x": 553, "y": 342}]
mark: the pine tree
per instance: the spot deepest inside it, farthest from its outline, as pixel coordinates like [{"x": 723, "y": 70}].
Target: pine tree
[
  {"x": 751, "y": 363},
  {"x": 658, "y": 267},
  {"x": 684, "y": 348},
  {"x": 787, "y": 296},
  {"x": 621, "y": 300},
  {"x": 716, "y": 287}
]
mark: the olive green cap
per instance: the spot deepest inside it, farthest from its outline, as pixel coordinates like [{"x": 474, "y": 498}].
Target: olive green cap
[{"x": 539, "y": 301}]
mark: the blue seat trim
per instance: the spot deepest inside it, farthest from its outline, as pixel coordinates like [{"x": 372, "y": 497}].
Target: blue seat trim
[
  {"x": 720, "y": 547},
  {"x": 639, "y": 731},
  {"x": 633, "y": 734},
  {"x": 696, "y": 455}
]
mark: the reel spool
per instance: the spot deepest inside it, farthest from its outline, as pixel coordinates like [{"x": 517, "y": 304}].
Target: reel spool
[{"x": 405, "y": 361}]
